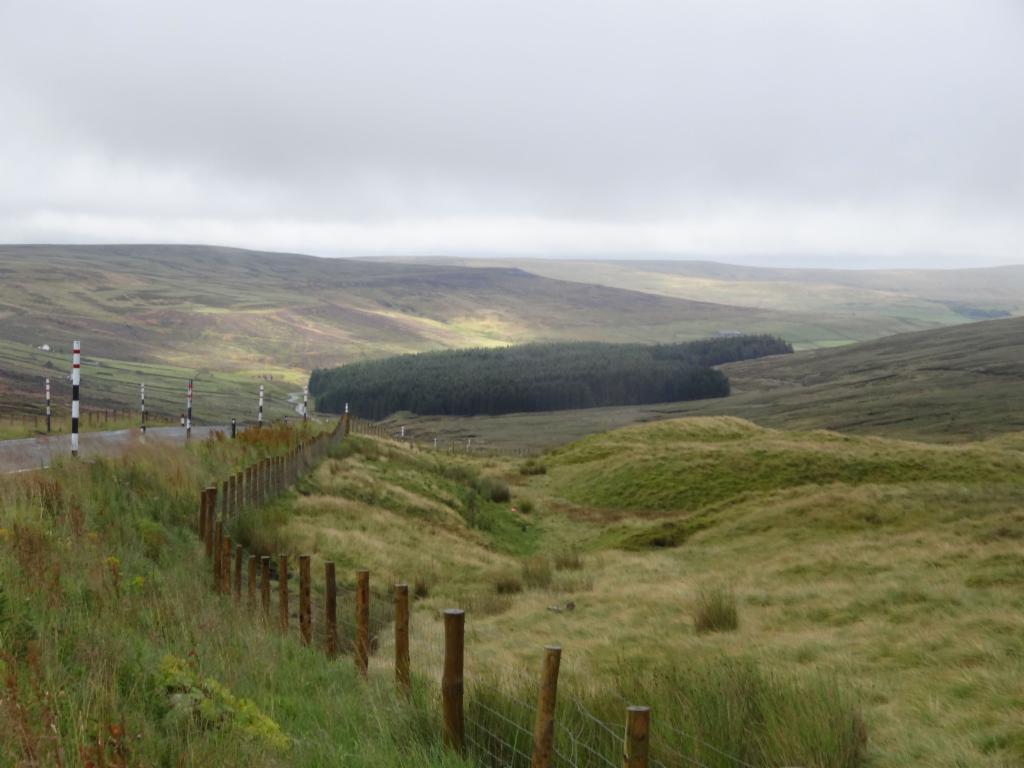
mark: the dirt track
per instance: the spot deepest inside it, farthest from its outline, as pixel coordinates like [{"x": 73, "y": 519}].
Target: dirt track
[{"x": 38, "y": 452}]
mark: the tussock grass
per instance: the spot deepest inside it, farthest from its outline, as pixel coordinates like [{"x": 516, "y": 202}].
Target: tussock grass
[
  {"x": 715, "y": 610},
  {"x": 714, "y": 714}
]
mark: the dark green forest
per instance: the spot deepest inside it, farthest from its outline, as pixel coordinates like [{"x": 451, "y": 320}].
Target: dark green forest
[{"x": 536, "y": 377}]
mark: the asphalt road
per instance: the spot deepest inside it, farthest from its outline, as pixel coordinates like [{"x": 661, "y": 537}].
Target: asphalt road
[{"x": 39, "y": 452}]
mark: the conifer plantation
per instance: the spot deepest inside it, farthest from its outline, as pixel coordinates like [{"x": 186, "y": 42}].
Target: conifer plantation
[{"x": 537, "y": 377}]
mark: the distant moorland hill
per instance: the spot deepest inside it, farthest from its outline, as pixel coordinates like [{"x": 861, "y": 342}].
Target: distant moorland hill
[{"x": 252, "y": 314}]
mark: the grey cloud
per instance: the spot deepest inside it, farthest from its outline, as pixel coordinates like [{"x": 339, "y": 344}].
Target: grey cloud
[{"x": 710, "y": 125}]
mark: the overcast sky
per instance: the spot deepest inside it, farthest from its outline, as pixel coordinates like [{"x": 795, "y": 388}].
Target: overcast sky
[{"x": 841, "y": 133}]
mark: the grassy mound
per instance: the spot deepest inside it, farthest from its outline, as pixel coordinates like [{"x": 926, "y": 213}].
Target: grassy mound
[{"x": 691, "y": 464}]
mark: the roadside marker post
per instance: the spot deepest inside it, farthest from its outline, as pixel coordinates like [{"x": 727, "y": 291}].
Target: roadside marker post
[
  {"x": 142, "y": 406},
  {"x": 76, "y": 380},
  {"x": 305, "y": 403},
  {"x": 188, "y": 412},
  {"x": 48, "y": 404},
  {"x": 234, "y": 427},
  {"x": 259, "y": 418}
]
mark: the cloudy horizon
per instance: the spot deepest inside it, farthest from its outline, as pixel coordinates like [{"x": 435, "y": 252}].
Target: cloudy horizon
[{"x": 821, "y": 132}]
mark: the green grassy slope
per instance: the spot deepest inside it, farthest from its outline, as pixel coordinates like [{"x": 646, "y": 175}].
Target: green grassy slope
[
  {"x": 893, "y": 564},
  {"x": 888, "y": 569},
  {"x": 947, "y": 385}
]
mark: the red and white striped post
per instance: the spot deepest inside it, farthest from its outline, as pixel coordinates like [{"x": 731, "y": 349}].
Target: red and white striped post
[
  {"x": 76, "y": 380},
  {"x": 48, "y": 404},
  {"x": 142, "y": 405},
  {"x": 188, "y": 412},
  {"x": 259, "y": 417}
]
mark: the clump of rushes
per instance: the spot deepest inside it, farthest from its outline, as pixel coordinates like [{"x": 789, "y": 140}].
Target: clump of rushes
[{"x": 715, "y": 611}]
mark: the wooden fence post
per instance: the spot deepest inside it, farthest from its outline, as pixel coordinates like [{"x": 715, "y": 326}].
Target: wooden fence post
[
  {"x": 218, "y": 535},
  {"x": 238, "y": 574},
  {"x": 225, "y": 566},
  {"x": 251, "y": 582},
  {"x": 237, "y": 502},
  {"x": 265, "y": 585},
  {"x": 305, "y": 610},
  {"x": 250, "y": 489},
  {"x": 330, "y": 611},
  {"x": 204, "y": 499},
  {"x": 452, "y": 679},
  {"x": 282, "y": 592},
  {"x": 544, "y": 725},
  {"x": 638, "y": 728},
  {"x": 225, "y": 502},
  {"x": 362, "y": 649},
  {"x": 402, "y": 636},
  {"x": 210, "y": 517}
]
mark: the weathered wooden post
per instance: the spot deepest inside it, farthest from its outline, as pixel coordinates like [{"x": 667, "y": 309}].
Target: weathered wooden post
[
  {"x": 330, "y": 611},
  {"x": 250, "y": 487},
  {"x": 265, "y": 586},
  {"x": 402, "y": 678},
  {"x": 228, "y": 489},
  {"x": 225, "y": 566},
  {"x": 211, "y": 504},
  {"x": 238, "y": 574},
  {"x": 362, "y": 649},
  {"x": 305, "y": 610},
  {"x": 452, "y": 685},
  {"x": 203, "y": 521},
  {"x": 237, "y": 501},
  {"x": 544, "y": 725},
  {"x": 282, "y": 592},
  {"x": 250, "y": 584},
  {"x": 218, "y": 537},
  {"x": 225, "y": 502},
  {"x": 638, "y": 728}
]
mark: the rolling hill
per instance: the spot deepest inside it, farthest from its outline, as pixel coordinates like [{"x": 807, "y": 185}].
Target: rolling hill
[
  {"x": 856, "y": 304},
  {"x": 239, "y": 315}
]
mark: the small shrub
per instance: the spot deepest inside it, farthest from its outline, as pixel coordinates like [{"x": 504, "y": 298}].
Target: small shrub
[
  {"x": 525, "y": 506},
  {"x": 715, "y": 611},
  {"x": 568, "y": 559},
  {"x": 494, "y": 488},
  {"x": 537, "y": 572}
]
